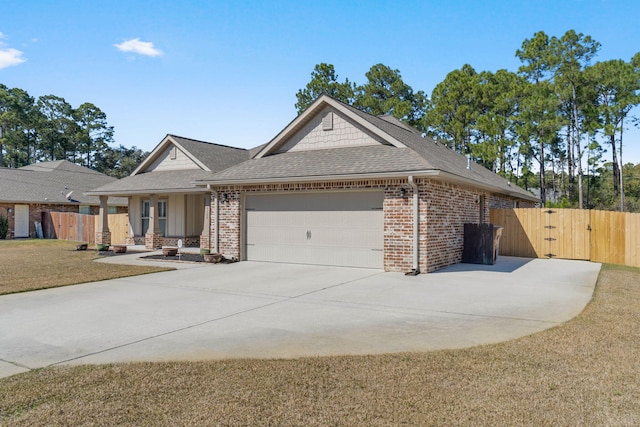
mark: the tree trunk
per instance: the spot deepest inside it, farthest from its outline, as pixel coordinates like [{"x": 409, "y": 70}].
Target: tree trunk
[
  {"x": 616, "y": 169},
  {"x": 569, "y": 162},
  {"x": 543, "y": 192},
  {"x": 577, "y": 145},
  {"x": 621, "y": 169}
]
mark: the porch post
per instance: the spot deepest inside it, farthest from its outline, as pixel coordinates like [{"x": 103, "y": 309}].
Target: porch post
[
  {"x": 153, "y": 236},
  {"x": 103, "y": 235},
  {"x": 205, "y": 236}
]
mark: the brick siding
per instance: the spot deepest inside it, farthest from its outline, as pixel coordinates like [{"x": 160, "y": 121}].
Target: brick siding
[
  {"x": 35, "y": 214},
  {"x": 443, "y": 210}
]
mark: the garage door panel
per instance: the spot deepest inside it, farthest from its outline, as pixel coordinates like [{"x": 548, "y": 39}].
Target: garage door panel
[
  {"x": 344, "y": 229},
  {"x": 267, "y": 228},
  {"x": 344, "y": 237},
  {"x": 278, "y": 253}
]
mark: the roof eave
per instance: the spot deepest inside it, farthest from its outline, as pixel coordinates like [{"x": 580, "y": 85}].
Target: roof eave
[
  {"x": 457, "y": 179},
  {"x": 307, "y": 178},
  {"x": 50, "y": 202},
  {"x": 125, "y": 193},
  {"x": 429, "y": 173}
]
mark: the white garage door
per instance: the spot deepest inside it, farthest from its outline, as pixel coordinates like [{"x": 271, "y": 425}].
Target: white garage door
[
  {"x": 21, "y": 221},
  {"x": 342, "y": 229}
]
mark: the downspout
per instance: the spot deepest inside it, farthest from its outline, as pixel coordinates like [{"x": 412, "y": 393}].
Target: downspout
[
  {"x": 415, "y": 270},
  {"x": 216, "y": 217}
]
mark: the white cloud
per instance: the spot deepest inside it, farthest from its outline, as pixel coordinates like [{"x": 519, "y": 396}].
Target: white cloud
[
  {"x": 138, "y": 46},
  {"x": 9, "y": 56}
]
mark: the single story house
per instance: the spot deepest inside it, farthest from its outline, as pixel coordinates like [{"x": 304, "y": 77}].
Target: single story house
[
  {"x": 336, "y": 186},
  {"x": 164, "y": 203},
  {"x": 58, "y": 186}
]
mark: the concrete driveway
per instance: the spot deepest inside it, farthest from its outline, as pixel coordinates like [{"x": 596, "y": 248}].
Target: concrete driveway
[{"x": 280, "y": 310}]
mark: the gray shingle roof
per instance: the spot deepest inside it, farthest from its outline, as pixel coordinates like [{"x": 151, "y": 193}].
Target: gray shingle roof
[
  {"x": 420, "y": 154},
  {"x": 441, "y": 157},
  {"x": 50, "y": 182},
  {"x": 155, "y": 182},
  {"x": 339, "y": 161},
  {"x": 214, "y": 156}
]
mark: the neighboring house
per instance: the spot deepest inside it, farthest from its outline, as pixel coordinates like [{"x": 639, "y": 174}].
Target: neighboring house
[
  {"x": 164, "y": 204},
  {"x": 59, "y": 186},
  {"x": 335, "y": 187},
  {"x": 341, "y": 187}
]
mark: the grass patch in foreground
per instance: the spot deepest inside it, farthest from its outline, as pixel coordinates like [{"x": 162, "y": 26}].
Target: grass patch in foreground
[
  {"x": 585, "y": 372},
  {"x": 27, "y": 265}
]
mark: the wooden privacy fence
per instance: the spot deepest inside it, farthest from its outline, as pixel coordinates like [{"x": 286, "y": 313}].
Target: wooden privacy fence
[
  {"x": 68, "y": 226},
  {"x": 599, "y": 236},
  {"x": 82, "y": 227}
]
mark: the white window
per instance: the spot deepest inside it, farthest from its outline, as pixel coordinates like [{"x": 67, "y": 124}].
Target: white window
[{"x": 162, "y": 216}]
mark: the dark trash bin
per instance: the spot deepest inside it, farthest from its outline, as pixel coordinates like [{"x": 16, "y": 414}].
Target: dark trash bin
[{"x": 481, "y": 243}]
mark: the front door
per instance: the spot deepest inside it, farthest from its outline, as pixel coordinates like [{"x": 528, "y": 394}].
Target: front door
[{"x": 21, "y": 221}]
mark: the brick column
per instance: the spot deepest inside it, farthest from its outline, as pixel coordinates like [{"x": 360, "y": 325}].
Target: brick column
[
  {"x": 153, "y": 236},
  {"x": 103, "y": 235},
  {"x": 205, "y": 236}
]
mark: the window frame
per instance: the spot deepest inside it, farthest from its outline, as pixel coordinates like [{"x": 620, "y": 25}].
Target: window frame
[{"x": 144, "y": 215}]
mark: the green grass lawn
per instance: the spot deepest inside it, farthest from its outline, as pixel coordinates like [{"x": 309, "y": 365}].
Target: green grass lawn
[
  {"x": 27, "y": 265},
  {"x": 585, "y": 372}
]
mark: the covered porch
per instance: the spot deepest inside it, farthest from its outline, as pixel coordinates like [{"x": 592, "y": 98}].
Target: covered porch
[{"x": 161, "y": 219}]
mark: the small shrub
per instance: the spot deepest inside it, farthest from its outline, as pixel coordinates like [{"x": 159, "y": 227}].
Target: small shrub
[{"x": 4, "y": 226}]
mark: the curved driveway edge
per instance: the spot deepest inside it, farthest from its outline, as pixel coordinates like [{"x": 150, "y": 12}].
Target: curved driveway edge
[{"x": 252, "y": 309}]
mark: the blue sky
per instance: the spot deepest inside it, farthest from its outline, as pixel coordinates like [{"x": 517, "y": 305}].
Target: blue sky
[{"x": 227, "y": 72}]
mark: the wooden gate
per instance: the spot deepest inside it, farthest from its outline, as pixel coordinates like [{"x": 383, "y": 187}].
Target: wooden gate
[
  {"x": 600, "y": 236},
  {"x": 118, "y": 226}
]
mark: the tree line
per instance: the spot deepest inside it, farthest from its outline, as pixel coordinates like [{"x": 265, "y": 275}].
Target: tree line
[
  {"x": 49, "y": 128},
  {"x": 539, "y": 127}
]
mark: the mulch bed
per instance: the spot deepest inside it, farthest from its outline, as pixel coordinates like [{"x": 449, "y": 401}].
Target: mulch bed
[{"x": 183, "y": 257}]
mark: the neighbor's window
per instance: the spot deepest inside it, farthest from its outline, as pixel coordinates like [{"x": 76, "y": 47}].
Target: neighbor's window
[
  {"x": 162, "y": 216},
  {"x": 85, "y": 210}
]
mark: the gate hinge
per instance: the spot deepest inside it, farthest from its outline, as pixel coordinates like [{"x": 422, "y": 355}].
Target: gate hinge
[
  {"x": 549, "y": 255},
  {"x": 550, "y": 238},
  {"x": 550, "y": 226},
  {"x": 549, "y": 211}
]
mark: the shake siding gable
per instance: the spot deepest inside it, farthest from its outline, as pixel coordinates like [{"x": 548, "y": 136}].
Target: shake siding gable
[
  {"x": 172, "y": 158},
  {"x": 313, "y": 136}
]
